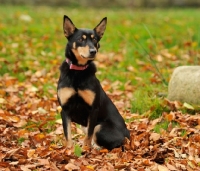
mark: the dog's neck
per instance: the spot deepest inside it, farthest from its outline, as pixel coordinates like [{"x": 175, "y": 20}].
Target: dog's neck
[{"x": 75, "y": 67}]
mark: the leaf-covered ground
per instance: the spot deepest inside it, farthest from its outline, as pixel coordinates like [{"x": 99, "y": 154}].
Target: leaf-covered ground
[
  {"x": 32, "y": 135},
  {"x": 163, "y": 135}
]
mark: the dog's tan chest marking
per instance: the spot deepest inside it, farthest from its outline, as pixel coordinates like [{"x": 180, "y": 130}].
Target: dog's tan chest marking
[
  {"x": 87, "y": 95},
  {"x": 65, "y": 93}
]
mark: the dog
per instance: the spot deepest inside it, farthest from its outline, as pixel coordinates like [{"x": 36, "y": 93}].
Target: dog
[{"x": 80, "y": 94}]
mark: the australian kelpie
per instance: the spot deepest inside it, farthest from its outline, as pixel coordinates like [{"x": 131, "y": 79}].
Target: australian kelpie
[{"x": 80, "y": 94}]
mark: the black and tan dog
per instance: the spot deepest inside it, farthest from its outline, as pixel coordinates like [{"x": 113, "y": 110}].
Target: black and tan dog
[{"x": 80, "y": 94}]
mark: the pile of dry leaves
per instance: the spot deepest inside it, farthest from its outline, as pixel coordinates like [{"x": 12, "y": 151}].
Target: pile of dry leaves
[{"x": 32, "y": 136}]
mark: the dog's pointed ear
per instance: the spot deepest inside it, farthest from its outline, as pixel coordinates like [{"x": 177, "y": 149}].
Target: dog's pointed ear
[
  {"x": 68, "y": 26},
  {"x": 101, "y": 27}
]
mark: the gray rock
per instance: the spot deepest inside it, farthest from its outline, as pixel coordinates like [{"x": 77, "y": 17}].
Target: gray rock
[{"x": 184, "y": 85}]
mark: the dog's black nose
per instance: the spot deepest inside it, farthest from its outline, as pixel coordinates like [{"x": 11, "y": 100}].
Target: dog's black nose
[{"x": 93, "y": 52}]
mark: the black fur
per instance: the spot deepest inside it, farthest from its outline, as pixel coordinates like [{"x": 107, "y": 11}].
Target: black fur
[{"x": 80, "y": 94}]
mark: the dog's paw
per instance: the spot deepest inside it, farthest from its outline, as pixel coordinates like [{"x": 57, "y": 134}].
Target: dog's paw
[
  {"x": 68, "y": 144},
  {"x": 85, "y": 149},
  {"x": 84, "y": 129},
  {"x": 87, "y": 142}
]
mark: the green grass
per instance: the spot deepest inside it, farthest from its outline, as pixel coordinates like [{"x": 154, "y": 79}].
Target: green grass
[
  {"x": 164, "y": 126},
  {"x": 183, "y": 133},
  {"x": 145, "y": 100},
  {"x": 21, "y": 140},
  {"x": 134, "y": 35}
]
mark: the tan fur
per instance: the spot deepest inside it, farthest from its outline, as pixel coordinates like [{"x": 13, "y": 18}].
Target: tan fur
[
  {"x": 80, "y": 59},
  {"x": 96, "y": 129},
  {"x": 84, "y": 36},
  {"x": 84, "y": 51},
  {"x": 92, "y": 36},
  {"x": 84, "y": 129},
  {"x": 88, "y": 140},
  {"x": 82, "y": 54},
  {"x": 74, "y": 45},
  {"x": 69, "y": 138},
  {"x": 87, "y": 95},
  {"x": 65, "y": 93}
]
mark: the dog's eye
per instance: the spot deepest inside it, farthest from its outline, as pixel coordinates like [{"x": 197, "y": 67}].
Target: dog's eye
[{"x": 80, "y": 40}]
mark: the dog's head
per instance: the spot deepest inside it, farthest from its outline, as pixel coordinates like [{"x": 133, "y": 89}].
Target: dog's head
[{"x": 84, "y": 43}]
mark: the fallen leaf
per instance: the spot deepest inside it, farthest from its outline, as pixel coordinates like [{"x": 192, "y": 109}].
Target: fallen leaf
[
  {"x": 20, "y": 124},
  {"x": 2, "y": 101},
  {"x": 188, "y": 106},
  {"x": 162, "y": 168},
  {"x": 25, "y": 168},
  {"x": 154, "y": 136},
  {"x": 30, "y": 153},
  {"x": 71, "y": 167},
  {"x": 170, "y": 167},
  {"x": 104, "y": 150}
]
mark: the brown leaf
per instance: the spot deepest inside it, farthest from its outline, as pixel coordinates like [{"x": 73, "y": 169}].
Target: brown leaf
[
  {"x": 154, "y": 136},
  {"x": 170, "y": 117},
  {"x": 53, "y": 167},
  {"x": 25, "y": 168},
  {"x": 20, "y": 124},
  {"x": 43, "y": 161},
  {"x": 104, "y": 150},
  {"x": 162, "y": 168},
  {"x": 170, "y": 167},
  {"x": 4, "y": 164},
  {"x": 31, "y": 153},
  {"x": 71, "y": 167},
  {"x": 12, "y": 152}
]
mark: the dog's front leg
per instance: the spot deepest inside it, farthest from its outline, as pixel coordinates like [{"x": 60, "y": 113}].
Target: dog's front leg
[
  {"x": 67, "y": 128},
  {"x": 92, "y": 122}
]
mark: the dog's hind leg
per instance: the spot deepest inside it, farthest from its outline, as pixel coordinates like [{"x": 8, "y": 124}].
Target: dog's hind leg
[
  {"x": 108, "y": 136},
  {"x": 96, "y": 129},
  {"x": 67, "y": 128}
]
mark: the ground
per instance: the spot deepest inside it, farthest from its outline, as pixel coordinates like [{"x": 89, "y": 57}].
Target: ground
[{"x": 138, "y": 53}]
